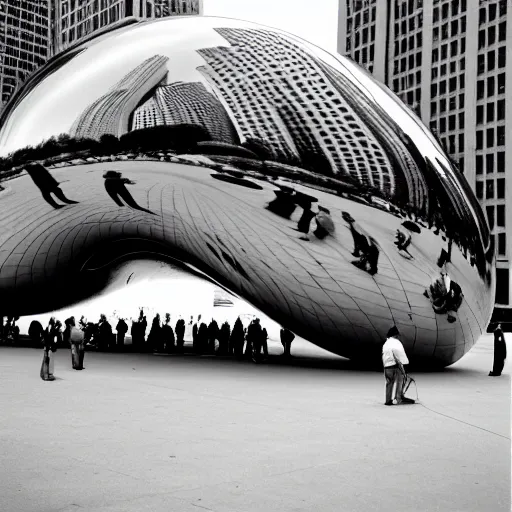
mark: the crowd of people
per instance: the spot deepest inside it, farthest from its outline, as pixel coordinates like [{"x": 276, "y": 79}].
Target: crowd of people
[{"x": 207, "y": 339}]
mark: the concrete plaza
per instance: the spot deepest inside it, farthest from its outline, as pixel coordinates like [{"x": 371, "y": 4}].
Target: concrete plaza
[{"x": 140, "y": 432}]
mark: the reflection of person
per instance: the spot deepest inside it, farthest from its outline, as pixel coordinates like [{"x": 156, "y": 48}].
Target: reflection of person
[
  {"x": 104, "y": 333},
  {"x": 51, "y": 338},
  {"x": 115, "y": 185},
  {"x": 168, "y": 334},
  {"x": 500, "y": 352},
  {"x": 36, "y": 332},
  {"x": 445, "y": 295},
  {"x": 394, "y": 358},
  {"x": 47, "y": 184},
  {"x": 179, "y": 329},
  {"x": 324, "y": 223},
  {"x": 402, "y": 241}
]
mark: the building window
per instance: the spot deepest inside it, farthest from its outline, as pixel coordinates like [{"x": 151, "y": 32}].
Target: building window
[
  {"x": 489, "y": 163},
  {"x": 490, "y": 87},
  {"x": 500, "y": 135},
  {"x": 491, "y": 35},
  {"x": 502, "y": 57},
  {"x": 481, "y": 39},
  {"x": 500, "y": 188},
  {"x": 480, "y": 190},
  {"x": 490, "y": 138},
  {"x": 489, "y": 189},
  {"x": 502, "y": 244},
  {"x": 481, "y": 64},
  {"x": 491, "y": 60},
  {"x": 502, "y": 286},
  {"x": 500, "y": 216},
  {"x": 490, "y": 216},
  {"x": 500, "y": 108},
  {"x": 479, "y": 114},
  {"x": 479, "y": 139},
  {"x": 500, "y": 161},
  {"x": 490, "y": 112},
  {"x": 502, "y": 31},
  {"x": 433, "y": 108}
]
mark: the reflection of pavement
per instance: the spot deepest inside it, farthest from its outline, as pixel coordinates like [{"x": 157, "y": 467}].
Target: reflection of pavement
[
  {"x": 141, "y": 432},
  {"x": 254, "y": 252}
]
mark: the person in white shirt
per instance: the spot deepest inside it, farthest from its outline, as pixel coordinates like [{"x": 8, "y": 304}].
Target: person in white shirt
[{"x": 394, "y": 358}]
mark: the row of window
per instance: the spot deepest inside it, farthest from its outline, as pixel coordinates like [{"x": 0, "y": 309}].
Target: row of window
[
  {"x": 490, "y": 188},
  {"x": 487, "y": 88},
  {"x": 361, "y": 36},
  {"x": 443, "y": 68},
  {"x": 452, "y": 84},
  {"x": 449, "y": 123},
  {"x": 456, "y": 47},
  {"x": 494, "y": 58},
  {"x": 409, "y": 44},
  {"x": 362, "y": 55},
  {"x": 448, "y": 103},
  {"x": 495, "y": 216},
  {"x": 488, "y": 37},
  {"x": 494, "y": 111},
  {"x": 493, "y": 136},
  {"x": 406, "y": 64},
  {"x": 490, "y": 163},
  {"x": 450, "y": 143},
  {"x": 491, "y": 11},
  {"x": 404, "y": 82},
  {"x": 367, "y": 15},
  {"x": 451, "y": 29},
  {"x": 407, "y": 7},
  {"x": 457, "y": 6},
  {"x": 404, "y": 28}
]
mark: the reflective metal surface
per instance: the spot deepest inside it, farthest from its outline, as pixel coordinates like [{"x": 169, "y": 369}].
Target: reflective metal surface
[{"x": 283, "y": 173}]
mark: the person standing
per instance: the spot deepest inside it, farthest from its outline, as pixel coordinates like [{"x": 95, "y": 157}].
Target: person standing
[
  {"x": 121, "y": 330},
  {"x": 76, "y": 340},
  {"x": 500, "y": 352},
  {"x": 51, "y": 335},
  {"x": 179, "y": 329},
  {"x": 168, "y": 334},
  {"x": 287, "y": 337},
  {"x": 394, "y": 358}
]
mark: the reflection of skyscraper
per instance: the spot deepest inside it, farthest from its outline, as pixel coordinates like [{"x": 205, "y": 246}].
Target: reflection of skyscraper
[
  {"x": 111, "y": 113},
  {"x": 280, "y": 94},
  {"x": 75, "y": 21},
  {"x": 186, "y": 103},
  {"x": 25, "y": 42}
]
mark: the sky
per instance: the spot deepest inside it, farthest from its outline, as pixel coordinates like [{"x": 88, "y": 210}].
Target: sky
[{"x": 317, "y": 21}]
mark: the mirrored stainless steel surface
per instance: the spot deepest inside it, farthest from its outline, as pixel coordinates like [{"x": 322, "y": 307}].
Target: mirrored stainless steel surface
[{"x": 287, "y": 175}]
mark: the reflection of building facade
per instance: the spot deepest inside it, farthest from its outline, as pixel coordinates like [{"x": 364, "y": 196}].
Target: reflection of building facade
[
  {"x": 111, "y": 113},
  {"x": 186, "y": 103},
  {"x": 31, "y": 31},
  {"x": 448, "y": 61},
  {"x": 75, "y": 21},
  {"x": 279, "y": 94},
  {"x": 25, "y": 42}
]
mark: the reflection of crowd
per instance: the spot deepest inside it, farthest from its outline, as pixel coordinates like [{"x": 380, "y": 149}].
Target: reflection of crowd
[{"x": 207, "y": 339}]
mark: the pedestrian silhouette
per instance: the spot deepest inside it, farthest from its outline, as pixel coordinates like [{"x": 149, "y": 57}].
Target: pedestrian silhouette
[
  {"x": 47, "y": 184},
  {"x": 115, "y": 185}
]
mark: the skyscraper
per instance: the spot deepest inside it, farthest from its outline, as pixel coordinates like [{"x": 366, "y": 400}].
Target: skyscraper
[
  {"x": 76, "y": 20},
  {"x": 280, "y": 94},
  {"x": 111, "y": 113},
  {"x": 447, "y": 59},
  {"x": 186, "y": 103},
  {"x": 31, "y": 31},
  {"x": 25, "y": 42}
]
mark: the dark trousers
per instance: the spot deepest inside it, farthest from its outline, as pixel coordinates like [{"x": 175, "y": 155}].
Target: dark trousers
[
  {"x": 393, "y": 375},
  {"x": 497, "y": 367}
]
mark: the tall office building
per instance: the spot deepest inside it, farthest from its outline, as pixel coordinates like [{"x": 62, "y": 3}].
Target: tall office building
[
  {"x": 447, "y": 60},
  {"x": 25, "y": 42},
  {"x": 186, "y": 103},
  {"x": 283, "y": 96},
  {"x": 112, "y": 113},
  {"x": 76, "y": 20}
]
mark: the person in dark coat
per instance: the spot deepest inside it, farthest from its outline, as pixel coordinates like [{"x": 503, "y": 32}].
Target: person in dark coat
[
  {"x": 225, "y": 332},
  {"x": 213, "y": 334},
  {"x": 237, "y": 338},
  {"x": 194, "y": 337},
  {"x": 154, "y": 337},
  {"x": 287, "y": 337},
  {"x": 202, "y": 338},
  {"x": 168, "y": 335},
  {"x": 180, "y": 334},
  {"x": 121, "y": 329},
  {"x": 253, "y": 337},
  {"x": 500, "y": 352},
  {"x": 104, "y": 333},
  {"x": 36, "y": 332},
  {"x": 47, "y": 184}
]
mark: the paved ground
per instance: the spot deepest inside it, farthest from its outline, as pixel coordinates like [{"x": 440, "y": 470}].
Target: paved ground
[{"x": 179, "y": 433}]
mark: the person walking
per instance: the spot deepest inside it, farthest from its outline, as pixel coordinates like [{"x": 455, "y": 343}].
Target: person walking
[
  {"x": 500, "y": 352},
  {"x": 287, "y": 337},
  {"x": 121, "y": 330},
  {"x": 394, "y": 358}
]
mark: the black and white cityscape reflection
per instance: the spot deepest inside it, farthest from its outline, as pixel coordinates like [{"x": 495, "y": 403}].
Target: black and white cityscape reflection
[{"x": 287, "y": 175}]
